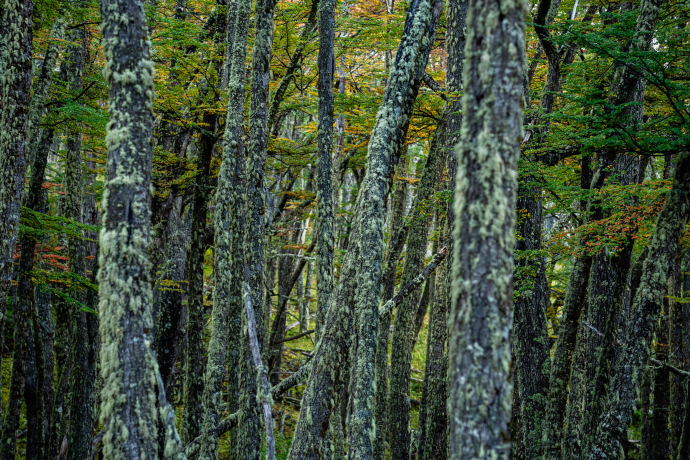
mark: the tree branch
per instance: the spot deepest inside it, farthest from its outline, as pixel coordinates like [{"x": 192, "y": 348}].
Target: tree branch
[{"x": 415, "y": 283}]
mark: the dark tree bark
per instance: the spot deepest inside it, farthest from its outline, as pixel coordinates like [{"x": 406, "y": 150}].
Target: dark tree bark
[
  {"x": 249, "y": 436},
  {"x": 404, "y": 324},
  {"x": 433, "y": 437},
  {"x": 644, "y": 311},
  {"x": 395, "y": 247},
  {"x": 679, "y": 327},
  {"x": 660, "y": 436},
  {"x": 486, "y": 184},
  {"x": 192, "y": 416},
  {"x": 129, "y": 409},
  {"x": 325, "y": 244},
  {"x": 16, "y": 67}
]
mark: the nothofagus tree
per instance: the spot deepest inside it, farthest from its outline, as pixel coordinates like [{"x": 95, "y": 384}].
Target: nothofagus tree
[
  {"x": 166, "y": 221},
  {"x": 486, "y": 184},
  {"x": 129, "y": 371}
]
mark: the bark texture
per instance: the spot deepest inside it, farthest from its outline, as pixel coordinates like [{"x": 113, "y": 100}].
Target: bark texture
[
  {"x": 404, "y": 325},
  {"x": 325, "y": 243},
  {"x": 362, "y": 265},
  {"x": 486, "y": 185},
  {"x": 644, "y": 312},
  {"x": 128, "y": 368}
]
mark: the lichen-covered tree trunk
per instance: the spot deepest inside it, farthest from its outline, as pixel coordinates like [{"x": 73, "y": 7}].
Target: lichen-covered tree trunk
[
  {"x": 16, "y": 56},
  {"x": 530, "y": 337},
  {"x": 227, "y": 222},
  {"x": 192, "y": 416},
  {"x": 44, "y": 334},
  {"x": 433, "y": 443},
  {"x": 249, "y": 436},
  {"x": 644, "y": 312},
  {"x": 659, "y": 446},
  {"x": 594, "y": 352},
  {"x": 679, "y": 327},
  {"x": 486, "y": 184},
  {"x": 83, "y": 375},
  {"x": 325, "y": 244},
  {"x": 167, "y": 336},
  {"x": 16, "y": 68},
  {"x": 404, "y": 324},
  {"x": 128, "y": 367},
  {"x": 395, "y": 247},
  {"x": 362, "y": 265}
]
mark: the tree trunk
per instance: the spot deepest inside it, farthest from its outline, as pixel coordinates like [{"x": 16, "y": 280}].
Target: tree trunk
[
  {"x": 404, "y": 324},
  {"x": 361, "y": 266},
  {"x": 17, "y": 70},
  {"x": 644, "y": 310},
  {"x": 434, "y": 441},
  {"x": 486, "y": 184},
  {"x": 325, "y": 244},
  {"x": 192, "y": 416},
  {"x": 249, "y": 436},
  {"x": 395, "y": 246},
  {"x": 128, "y": 367}
]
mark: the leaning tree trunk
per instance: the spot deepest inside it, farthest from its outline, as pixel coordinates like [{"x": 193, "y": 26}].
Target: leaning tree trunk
[
  {"x": 644, "y": 312},
  {"x": 128, "y": 368},
  {"x": 361, "y": 266},
  {"x": 481, "y": 317}
]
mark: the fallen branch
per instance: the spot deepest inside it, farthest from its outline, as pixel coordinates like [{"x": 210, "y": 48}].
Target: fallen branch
[
  {"x": 414, "y": 284},
  {"x": 264, "y": 388}
]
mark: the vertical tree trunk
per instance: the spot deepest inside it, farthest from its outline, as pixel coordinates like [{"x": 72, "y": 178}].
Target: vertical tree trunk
[
  {"x": 83, "y": 377},
  {"x": 128, "y": 367},
  {"x": 325, "y": 244},
  {"x": 249, "y": 439},
  {"x": 486, "y": 185},
  {"x": 17, "y": 53},
  {"x": 167, "y": 336},
  {"x": 530, "y": 337},
  {"x": 362, "y": 264},
  {"x": 396, "y": 239},
  {"x": 227, "y": 300},
  {"x": 192, "y": 416},
  {"x": 660, "y": 446},
  {"x": 404, "y": 324},
  {"x": 644, "y": 311},
  {"x": 16, "y": 68},
  {"x": 434, "y": 440},
  {"x": 679, "y": 327}
]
